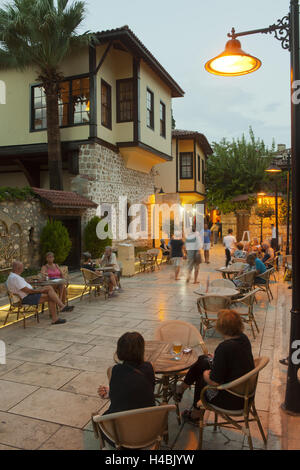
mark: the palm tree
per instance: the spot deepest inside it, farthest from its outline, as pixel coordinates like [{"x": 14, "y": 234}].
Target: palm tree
[{"x": 40, "y": 34}]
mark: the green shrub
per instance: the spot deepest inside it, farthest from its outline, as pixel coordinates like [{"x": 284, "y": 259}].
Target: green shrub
[
  {"x": 12, "y": 194},
  {"x": 91, "y": 242},
  {"x": 55, "y": 238}
]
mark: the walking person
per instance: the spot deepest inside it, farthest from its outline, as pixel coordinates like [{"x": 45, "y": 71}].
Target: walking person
[
  {"x": 207, "y": 238},
  {"x": 229, "y": 241},
  {"x": 193, "y": 244},
  {"x": 176, "y": 246}
]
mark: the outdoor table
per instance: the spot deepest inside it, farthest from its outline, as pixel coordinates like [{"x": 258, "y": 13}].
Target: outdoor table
[
  {"x": 50, "y": 282},
  {"x": 106, "y": 269},
  {"x": 223, "y": 291},
  {"x": 229, "y": 272},
  {"x": 160, "y": 355}
]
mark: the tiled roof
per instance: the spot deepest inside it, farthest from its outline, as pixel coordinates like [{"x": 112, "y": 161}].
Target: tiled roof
[
  {"x": 66, "y": 199},
  {"x": 200, "y": 138},
  {"x": 128, "y": 38}
]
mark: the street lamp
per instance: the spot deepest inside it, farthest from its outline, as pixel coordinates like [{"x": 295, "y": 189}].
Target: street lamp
[
  {"x": 274, "y": 170},
  {"x": 286, "y": 31}
]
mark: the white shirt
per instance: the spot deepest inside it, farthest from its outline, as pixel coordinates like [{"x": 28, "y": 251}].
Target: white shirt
[
  {"x": 273, "y": 232},
  {"x": 194, "y": 241},
  {"x": 15, "y": 283},
  {"x": 229, "y": 241},
  {"x": 113, "y": 261}
]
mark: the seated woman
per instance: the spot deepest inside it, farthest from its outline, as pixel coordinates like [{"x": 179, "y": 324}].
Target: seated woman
[
  {"x": 256, "y": 264},
  {"x": 240, "y": 253},
  {"x": 255, "y": 245},
  {"x": 132, "y": 381},
  {"x": 164, "y": 249},
  {"x": 53, "y": 271},
  {"x": 232, "y": 359}
]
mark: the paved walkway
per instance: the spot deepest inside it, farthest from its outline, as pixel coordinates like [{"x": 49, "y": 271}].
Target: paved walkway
[{"x": 48, "y": 386}]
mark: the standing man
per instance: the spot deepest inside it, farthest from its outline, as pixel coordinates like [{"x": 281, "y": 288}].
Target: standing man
[
  {"x": 207, "y": 238},
  {"x": 273, "y": 240},
  {"x": 229, "y": 242},
  {"x": 176, "y": 246},
  {"x": 193, "y": 244}
]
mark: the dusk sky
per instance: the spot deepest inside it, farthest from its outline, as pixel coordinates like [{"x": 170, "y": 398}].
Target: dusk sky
[{"x": 184, "y": 35}]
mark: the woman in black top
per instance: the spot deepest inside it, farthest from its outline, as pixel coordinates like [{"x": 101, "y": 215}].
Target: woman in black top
[
  {"x": 132, "y": 381},
  {"x": 232, "y": 359}
]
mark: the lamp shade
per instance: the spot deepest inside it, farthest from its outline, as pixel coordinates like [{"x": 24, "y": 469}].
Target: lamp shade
[
  {"x": 273, "y": 169},
  {"x": 233, "y": 61}
]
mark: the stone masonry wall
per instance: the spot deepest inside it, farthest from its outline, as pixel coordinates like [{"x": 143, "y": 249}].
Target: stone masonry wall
[
  {"x": 21, "y": 223},
  {"x": 103, "y": 177}
]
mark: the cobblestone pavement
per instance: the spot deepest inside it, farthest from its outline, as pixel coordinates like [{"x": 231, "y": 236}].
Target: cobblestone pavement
[{"x": 49, "y": 384}]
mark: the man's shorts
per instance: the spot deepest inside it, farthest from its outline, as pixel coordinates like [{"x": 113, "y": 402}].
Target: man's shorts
[
  {"x": 193, "y": 259},
  {"x": 206, "y": 246},
  {"x": 31, "y": 299},
  {"x": 177, "y": 261}
]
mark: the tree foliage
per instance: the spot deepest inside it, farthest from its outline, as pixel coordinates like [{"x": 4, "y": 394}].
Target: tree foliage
[
  {"x": 91, "y": 242},
  {"x": 236, "y": 168},
  {"x": 55, "y": 238}
]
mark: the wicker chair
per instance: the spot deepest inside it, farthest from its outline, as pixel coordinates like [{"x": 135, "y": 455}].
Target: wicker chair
[
  {"x": 65, "y": 273},
  {"x": 288, "y": 267},
  {"x": 154, "y": 252},
  {"x": 244, "y": 387},
  {"x": 93, "y": 281},
  {"x": 208, "y": 307},
  {"x": 245, "y": 281},
  {"x": 222, "y": 283},
  {"x": 248, "y": 317},
  {"x": 143, "y": 428},
  {"x": 17, "y": 307},
  {"x": 265, "y": 287}
]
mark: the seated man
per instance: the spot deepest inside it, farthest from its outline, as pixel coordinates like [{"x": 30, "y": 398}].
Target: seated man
[
  {"x": 109, "y": 259},
  {"x": 90, "y": 265},
  {"x": 164, "y": 249},
  {"x": 256, "y": 264},
  {"x": 268, "y": 253},
  {"x": 16, "y": 284},
  {"x": 240, "y": 253}
]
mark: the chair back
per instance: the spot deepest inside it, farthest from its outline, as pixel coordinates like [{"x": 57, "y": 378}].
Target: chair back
[
  {"x": 212, "y": 303},
  {"x": 248, "y": 299},
  {"x": 245, "y": 386},
  {"x": 65, "y": 272},
  {"x": 153, "y": 251},
  {"x": 89, "y": 275},
  {"x": 247, "y": 278},
  {"x": 135, "y": 429},
  {"x": 223, "y": 283},
  {"x": 14, "y": 299},
  {"x": 177, "y": 330},
  {"x": 266, "y": 275}
]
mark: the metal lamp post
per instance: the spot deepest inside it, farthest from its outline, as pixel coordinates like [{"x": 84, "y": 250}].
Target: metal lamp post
[
  {"x": 273, "y": 169},
  {"x": 233, "y": 62}
]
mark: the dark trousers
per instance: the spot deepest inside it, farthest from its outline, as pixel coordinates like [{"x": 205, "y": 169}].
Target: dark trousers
[
  {"x": 228, "y": 256},
  {"x": 195, "y": 376}
]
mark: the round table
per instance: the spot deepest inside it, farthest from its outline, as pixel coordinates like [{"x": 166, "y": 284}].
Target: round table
[
  {"x": 160, "y": 355},
  {"x": 229, "y": 272},
  {"x": 50, "y": 282},
  {"x": 223, "y": 291}
]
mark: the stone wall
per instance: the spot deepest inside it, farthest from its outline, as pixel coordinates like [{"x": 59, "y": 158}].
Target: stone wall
[
  {"x": 230, "y": 221},
  {"x": 103, "y": 177},
  {"x": 21, "y": 223}
]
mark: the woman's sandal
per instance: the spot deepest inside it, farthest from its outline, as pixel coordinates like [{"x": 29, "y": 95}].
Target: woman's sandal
[
  {"x": 187, "y": 417},
  {"x": 284, "y": 361}
]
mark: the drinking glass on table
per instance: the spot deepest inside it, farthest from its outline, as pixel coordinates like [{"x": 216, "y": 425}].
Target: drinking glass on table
[{"x": 177, "y": 347}]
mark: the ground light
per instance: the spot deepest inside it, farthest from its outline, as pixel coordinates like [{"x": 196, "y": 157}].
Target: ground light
[{"x": 236, "y": 63}]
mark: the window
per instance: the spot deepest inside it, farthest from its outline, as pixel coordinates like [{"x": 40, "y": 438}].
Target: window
[
  {"x": 203, "y": 172},
  {"x": 162, "y": 119},
  {"x": 186, "y": 165},
  {"x": 73, "y": 104},
  {"x": 150, "y": 109},
  {"x": 125, "y": 100},
  {"x": 105, "y": 104},
  {"x": 199, "y": 168}
]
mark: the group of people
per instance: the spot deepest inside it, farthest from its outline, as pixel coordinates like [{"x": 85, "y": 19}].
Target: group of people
[
  {"x": 179, "y": 249},
  {"x": 133, "y": 380},
  {"x": 57, "y": 297}
]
